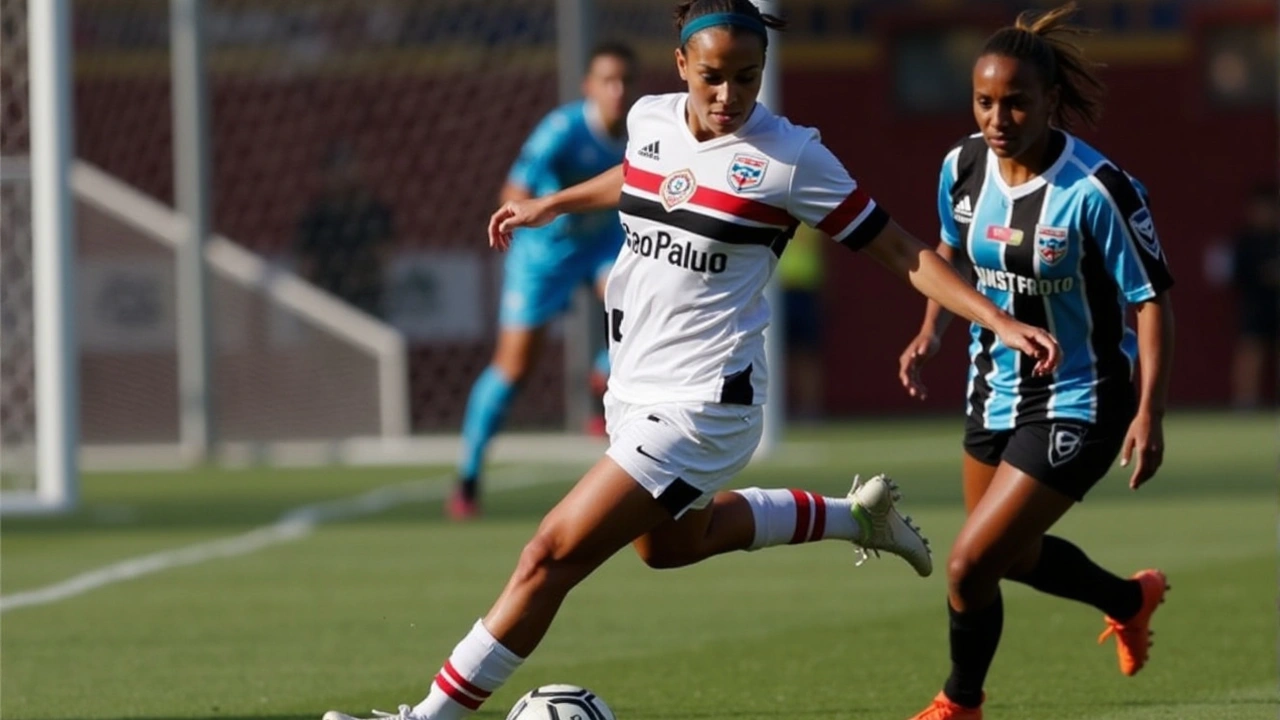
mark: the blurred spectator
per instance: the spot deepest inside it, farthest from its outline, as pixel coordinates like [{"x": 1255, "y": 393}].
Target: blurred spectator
[
  {"x": 800, "y": 274},
  {"x": 344, "y": 236},
  {"x": 1256, "y": 275}
]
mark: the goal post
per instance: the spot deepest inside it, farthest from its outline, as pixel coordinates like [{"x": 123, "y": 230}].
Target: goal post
[
  {"x": 426, "y": 104},
  {"x": 38, "y": 440},
  {"x": 775, "y": 409}
]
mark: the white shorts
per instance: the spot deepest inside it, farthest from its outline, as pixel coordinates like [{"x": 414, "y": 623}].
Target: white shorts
[{"x": 682, "y": 453}]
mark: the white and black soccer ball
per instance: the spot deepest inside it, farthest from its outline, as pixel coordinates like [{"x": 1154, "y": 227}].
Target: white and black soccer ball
[{"x": 560, "y": 702}]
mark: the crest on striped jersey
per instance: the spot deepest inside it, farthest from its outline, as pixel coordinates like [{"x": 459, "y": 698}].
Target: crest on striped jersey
[
  {"x": 677, "y": 188},
  {"x": 1053, "y": 243},
  {"x": 747, "y": 171}
]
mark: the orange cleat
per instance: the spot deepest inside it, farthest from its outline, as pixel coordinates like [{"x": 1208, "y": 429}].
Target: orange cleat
[
  {"x": 943, "y": 709},
  {"x": 598, "y": 382},
  {"x": 1133, "y": 636},
  {"x": 595, "y": 427},
  {"x": 461, "y": 508}
]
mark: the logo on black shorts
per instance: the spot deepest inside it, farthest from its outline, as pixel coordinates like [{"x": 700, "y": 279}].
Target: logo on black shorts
[{"x": 1065, "y": 442}]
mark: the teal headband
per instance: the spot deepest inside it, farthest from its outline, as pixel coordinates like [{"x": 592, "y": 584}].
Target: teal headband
[{"x": 741, "y": 20}]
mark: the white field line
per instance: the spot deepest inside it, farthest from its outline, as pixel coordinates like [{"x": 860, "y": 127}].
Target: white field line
[
  {"x": 302, "y": 521},
  {"x": 294, "y": 525}
]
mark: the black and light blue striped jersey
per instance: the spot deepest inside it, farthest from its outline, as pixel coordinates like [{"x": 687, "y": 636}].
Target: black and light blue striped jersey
[{"x": 1067, "y": 251}]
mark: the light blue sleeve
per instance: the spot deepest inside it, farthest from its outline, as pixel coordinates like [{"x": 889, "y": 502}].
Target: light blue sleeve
[
  {"x": 1118, "y": 218},
  {"x": 950, "y": 232},
  {"x": 535, "y": 167}
]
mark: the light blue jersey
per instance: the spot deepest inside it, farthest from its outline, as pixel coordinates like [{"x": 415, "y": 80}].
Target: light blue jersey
[
  {"x": 546, "y": 265},
  {"x": 1067, "y": 251}
]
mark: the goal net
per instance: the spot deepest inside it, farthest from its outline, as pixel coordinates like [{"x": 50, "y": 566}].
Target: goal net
[
  {"x": 290, "y": 363},
  {"x": 361, "y": 145},
  {"x": 357, "y": 150},
  {"x": 18, "y": 477},
  {"x": 298, "y": 372}
]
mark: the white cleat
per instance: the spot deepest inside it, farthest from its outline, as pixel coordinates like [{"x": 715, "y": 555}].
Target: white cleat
[
  {"x": 883, "y": 528},
  {"x": 404, "y": 713}
]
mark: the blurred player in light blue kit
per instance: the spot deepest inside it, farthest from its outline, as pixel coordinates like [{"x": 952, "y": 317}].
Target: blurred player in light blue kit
[{"x": 546, "y": 265}]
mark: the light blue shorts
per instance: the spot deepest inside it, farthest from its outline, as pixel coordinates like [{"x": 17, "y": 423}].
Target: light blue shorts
[{"x": 538, "y": 284}]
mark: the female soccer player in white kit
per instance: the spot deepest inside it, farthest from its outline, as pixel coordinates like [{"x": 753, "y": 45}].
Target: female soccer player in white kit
[{"x": 712, "y": 187}]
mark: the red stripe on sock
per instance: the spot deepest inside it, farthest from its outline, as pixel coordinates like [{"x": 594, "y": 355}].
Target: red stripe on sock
[
  {"x": 802, "y": 516},
  {"x": 819, "y": 518},
  {"x": 473, "y": 690},
  {"x": 444, "y": 683}
]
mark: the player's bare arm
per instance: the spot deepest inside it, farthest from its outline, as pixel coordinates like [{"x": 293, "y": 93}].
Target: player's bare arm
[
  {"x": 934, "y": 277},
  {"x": 936, "y": 320},
  {"x": 601, "y": 192},
  {"x": 1145, "y": 438},
  {"x": 513, "y": 192}
]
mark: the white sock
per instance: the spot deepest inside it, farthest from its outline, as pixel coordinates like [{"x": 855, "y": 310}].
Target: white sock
[
  {"x": 788, "y": 517},
  {"x": 478, "y": 666}
]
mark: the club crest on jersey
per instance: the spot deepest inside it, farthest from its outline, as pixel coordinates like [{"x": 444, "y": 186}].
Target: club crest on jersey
[
  {"x": 677, "y": 188},
  {"x": 746, "y": 171},
  {"x": 1145, "y": 229},
  {"x": 1052, "y": 243},
  {"x": 1065, "y": 442}
]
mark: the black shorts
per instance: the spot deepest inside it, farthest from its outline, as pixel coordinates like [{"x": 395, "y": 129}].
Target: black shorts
[{"x": 1069, "y": 456}]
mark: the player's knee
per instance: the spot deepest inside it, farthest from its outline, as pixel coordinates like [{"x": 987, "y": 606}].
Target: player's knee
[
  {"x": 969, "y": 574},
  {"x": 546, "y": 562},
  {"x": 516, "y": 355},
  {"x": 513, "y": 366}
]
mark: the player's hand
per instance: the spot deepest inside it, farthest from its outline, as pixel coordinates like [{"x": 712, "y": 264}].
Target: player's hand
[
  {"x": 517, "y": 214},
  {"x": 1031, "y": 341},
  {"x": 1145, "y": 440},
  {"x": 919, "y": 350}
]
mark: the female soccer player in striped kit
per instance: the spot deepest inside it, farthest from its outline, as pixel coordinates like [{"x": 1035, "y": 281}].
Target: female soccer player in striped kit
[
  {"x": 1058, "y": 234},
  {"x": 712, "y": 187}
]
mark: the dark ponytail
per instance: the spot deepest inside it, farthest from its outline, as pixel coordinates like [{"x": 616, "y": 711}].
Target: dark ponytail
[
  {"x": 690, "y": 10},
  {"x": 1045, "y": 41}
]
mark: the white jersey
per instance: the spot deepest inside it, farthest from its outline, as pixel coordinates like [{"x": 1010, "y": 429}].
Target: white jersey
[{"x": 705, "y": 223}]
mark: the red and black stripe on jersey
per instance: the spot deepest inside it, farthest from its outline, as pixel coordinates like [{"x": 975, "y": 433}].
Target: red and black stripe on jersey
[
  {"x": 848, "y": 211},
  {"x": 769, "y": 226}
]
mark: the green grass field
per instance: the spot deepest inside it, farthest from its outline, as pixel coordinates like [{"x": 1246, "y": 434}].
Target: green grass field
[{"x": 360, "y": 612}]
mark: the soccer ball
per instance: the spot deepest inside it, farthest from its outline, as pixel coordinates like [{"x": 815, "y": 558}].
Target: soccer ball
[{"x": 560, "y": 702}]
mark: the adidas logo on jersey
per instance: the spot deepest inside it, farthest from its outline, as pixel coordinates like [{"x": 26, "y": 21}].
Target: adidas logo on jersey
[
  {"x": 650, "y": 151},
  {"x": 963, "y": 210}
]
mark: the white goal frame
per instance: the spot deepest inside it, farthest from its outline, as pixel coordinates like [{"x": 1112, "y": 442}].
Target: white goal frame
[
  {"x": 227, "y": 260},
  {"x": 53, "y": 458}
]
